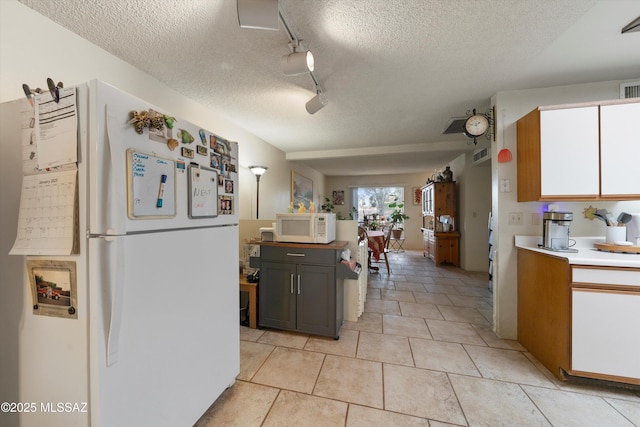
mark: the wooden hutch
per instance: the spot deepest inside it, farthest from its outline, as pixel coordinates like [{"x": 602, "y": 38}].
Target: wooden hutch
[{"x": 440, "y": 244}]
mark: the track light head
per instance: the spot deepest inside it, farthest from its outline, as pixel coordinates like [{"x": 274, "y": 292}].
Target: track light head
[
  {"x": 297, "y": 63},
  {"x": 316, "y": 103}
]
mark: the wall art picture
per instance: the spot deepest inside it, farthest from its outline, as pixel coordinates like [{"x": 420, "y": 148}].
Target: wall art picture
[
  {"x": 417, "y": 195},
  {"x": 53, "y": 288},
  {"x": 338, "y": 197},
  {"x": 301, "y": 189}
]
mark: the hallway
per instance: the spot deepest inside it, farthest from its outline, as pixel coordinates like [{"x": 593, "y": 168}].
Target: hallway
[{"x": 422, "y": 354}]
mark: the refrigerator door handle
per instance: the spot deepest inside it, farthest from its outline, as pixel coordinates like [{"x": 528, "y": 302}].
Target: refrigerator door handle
[
  {"x": 118, "y": 175},
  {"x": 116, "y": 286}
]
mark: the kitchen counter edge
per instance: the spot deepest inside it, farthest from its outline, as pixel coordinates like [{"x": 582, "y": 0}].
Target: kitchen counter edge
[{"x": 587, "y": 254}]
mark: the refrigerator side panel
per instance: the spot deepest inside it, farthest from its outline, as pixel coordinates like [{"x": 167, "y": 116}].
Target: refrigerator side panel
[
  {"x": 115, "y": 207},
  {"x": 11, "y": 266},
  {"x": 173, "y": 322},
  {"x": 47, "y": 356}
]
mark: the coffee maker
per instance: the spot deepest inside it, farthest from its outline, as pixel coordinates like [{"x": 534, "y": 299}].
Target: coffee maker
[{"x": 555, "y": 231}]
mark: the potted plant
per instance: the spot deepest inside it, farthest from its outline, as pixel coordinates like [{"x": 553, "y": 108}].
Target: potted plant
[{"x": 397, "y": 218}]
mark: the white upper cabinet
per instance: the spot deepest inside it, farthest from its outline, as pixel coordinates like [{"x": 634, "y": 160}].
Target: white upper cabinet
[
  {"x": 569, "y": 159},
  {"x": 620, "y": 149},
  {"x": 580, "y": 152}
]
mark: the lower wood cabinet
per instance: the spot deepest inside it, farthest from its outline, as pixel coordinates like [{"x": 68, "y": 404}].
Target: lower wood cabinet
[
  {"x": 442, "y": 248},
  {"x": 580, "y": 320},
  {"x": 300, "y": 289}
]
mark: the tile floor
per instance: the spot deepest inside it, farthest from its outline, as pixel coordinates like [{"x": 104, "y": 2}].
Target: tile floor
[{"x": 422, "y": 354}]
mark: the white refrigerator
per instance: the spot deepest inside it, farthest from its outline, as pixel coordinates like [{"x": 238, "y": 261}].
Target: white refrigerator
[{"x": 156, "y": 339}]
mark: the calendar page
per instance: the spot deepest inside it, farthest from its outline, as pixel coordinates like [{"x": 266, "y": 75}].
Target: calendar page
[{"x": 48, "y": 218}]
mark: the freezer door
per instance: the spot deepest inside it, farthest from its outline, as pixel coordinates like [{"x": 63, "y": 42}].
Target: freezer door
[
  {"x": 164, "y": 338},
  {"x": 140, "y": 181}
]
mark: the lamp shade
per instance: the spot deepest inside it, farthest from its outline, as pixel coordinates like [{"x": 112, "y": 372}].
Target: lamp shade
[
  {"x": 316, "y": 103},
  {"x": 258, "y": 170},
  {"x": 297, "y": 63}
]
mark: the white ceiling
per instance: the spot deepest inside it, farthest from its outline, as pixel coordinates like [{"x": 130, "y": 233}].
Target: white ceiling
[{"x": 394, "y": 71}]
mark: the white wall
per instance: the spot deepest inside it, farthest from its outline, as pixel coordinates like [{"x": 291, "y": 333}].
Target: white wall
[
  {"x": 511, "y": 106},
  {"x": 474, "y": 195}
]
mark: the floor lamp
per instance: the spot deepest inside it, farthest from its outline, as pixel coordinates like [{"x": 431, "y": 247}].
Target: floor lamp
[{"x": 258, "y": 171}]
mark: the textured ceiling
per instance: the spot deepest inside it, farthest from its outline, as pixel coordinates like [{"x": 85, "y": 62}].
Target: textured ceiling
[{"x": 394, "y": 71}]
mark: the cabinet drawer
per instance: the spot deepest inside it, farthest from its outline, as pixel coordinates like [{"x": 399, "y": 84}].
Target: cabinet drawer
[
  {"x": 300, "y": 255},
  {"x": 606, "y": 276}
]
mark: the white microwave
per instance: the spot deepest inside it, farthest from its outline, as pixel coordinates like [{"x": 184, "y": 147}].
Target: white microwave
[{"x": 305, "y": 227}]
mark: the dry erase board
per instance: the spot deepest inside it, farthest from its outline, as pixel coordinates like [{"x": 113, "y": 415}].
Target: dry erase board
[
  {"x": 203, "y": 192},
  {"x": 151, "y": 186}
]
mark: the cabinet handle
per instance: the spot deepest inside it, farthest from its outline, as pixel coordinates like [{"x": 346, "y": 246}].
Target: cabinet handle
[
  {"x": 298, "y": 284},
  {"x": 290, "y": 254},
  {"x": 292, "y": 283}
]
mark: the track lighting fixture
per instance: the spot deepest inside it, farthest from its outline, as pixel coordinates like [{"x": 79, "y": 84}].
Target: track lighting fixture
[
  {"x": 259, "y": 14},
  {"x": 297, "y": 63},
  {"x": 316, "y": 103}
]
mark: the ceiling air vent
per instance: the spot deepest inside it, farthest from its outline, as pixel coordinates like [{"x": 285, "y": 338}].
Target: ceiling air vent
[
  {"x": 630, "y": 90},
  {"x": 455, "y": 125},
  {"x": 481, "y": 155}
]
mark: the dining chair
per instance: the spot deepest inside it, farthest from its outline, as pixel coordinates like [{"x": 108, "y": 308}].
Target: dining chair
[{"x": 385, "y": 250}]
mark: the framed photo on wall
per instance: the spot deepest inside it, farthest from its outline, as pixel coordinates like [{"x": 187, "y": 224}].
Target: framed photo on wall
[
  {"x": 417, "y": 195},
  {"x": 338, "y": 197},
  {"x": 301, "y": 189}
]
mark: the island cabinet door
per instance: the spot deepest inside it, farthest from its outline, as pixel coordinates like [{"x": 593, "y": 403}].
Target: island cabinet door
[
  {"x": 316, "y": 297},
  {"x": 277, "y": 295},
  {"x": 605, "y": 335}
]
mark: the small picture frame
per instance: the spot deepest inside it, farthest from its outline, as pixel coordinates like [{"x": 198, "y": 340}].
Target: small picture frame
[
  {"x": 417, "y": 195},
  {"x": 54, "y": 287},
  {"x": 225, "y": 206},
  {"x": 202, "y": 150},
  {"x": 338, "y": 197},
  {"x": 187, "y": 152}
]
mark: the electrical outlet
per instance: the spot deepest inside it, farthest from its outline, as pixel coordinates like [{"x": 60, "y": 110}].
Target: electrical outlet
[
  {"x": 515, "y": 218},
  {"x": 505, "y": 186}
]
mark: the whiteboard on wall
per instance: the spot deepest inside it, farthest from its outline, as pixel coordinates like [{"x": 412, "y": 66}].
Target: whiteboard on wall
[
  {"x": 203, "y": 192},
  {"x": 151, "y": 186}
]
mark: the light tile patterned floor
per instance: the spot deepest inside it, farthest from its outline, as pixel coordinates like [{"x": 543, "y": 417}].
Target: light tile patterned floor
[{"x": 422, "y": 354}]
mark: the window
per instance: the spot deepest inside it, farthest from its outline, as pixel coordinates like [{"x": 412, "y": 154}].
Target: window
[{"x": 372, "y": 203}]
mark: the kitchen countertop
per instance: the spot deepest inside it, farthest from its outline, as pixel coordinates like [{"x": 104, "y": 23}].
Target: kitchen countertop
[{"x": 587, "y": 254}]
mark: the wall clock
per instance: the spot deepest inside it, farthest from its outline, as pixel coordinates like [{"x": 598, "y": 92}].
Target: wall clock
[{"x": 476, "y": 125}]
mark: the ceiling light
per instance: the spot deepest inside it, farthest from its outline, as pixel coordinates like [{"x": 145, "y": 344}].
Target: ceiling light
[
  {"x": 258, "y": 14},
  {"x": 297, "y": 63},
  {"x": 316, "y": 103}
]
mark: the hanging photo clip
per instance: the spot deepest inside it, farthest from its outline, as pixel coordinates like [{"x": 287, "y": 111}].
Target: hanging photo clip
[{"x": 54, "y": 89}]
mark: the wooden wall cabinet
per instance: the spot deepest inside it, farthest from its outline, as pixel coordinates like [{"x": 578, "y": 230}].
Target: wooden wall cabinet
[
  {"x": 301, "y": 288},
  {"x": 439, "y": 198},
  {"x": 578, "y": 152}
]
